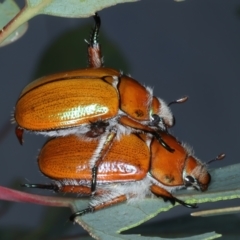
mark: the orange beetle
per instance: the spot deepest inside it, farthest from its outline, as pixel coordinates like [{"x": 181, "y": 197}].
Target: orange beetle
[{"x": 134, "y": 168}]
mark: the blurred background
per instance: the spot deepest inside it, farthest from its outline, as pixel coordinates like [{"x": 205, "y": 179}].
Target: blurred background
[{"x": 178, "y": 48}]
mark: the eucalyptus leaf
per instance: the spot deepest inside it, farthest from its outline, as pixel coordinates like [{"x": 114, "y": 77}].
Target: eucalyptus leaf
[
  {"x": 108, "y": 223},
  {"x": 8, "y": 10},
  {"x": 60, "y": 8},
  {"x": 73, "y": 8}
]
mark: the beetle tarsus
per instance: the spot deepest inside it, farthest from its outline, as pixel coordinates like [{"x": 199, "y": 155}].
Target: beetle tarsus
[
  {"x": 80, "y": 213},
  {"x": 94, "y": 50},
  {"x": 95, "y": 32},
  {"x": 188, "y": 205},
  {"x": 94, "y": 179},
  {"x": 173, "y": 200},
  {"x": 42, "y": 186},
  {"x": 164, "y": 144}
]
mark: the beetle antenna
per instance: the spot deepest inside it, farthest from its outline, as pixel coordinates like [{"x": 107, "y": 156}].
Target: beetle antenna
[
  {"x": 218, "y": 157},
  {"x": 180, "y": 100},
  {"x": 95, "y": 59}
]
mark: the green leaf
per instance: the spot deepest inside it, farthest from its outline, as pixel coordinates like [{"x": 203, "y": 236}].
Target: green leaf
[
  {"x": 8, "y": 10},
  {"x": 108, "y": 223},
  {"x": 73, "y": 8},
  {"x": 61, "y": 8}
]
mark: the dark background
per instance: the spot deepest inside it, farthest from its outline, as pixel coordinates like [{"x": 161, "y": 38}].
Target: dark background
[{"x": 189, "y": 48}]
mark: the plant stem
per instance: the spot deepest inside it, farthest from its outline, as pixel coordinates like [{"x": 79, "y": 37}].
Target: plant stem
[
  {"x": 23, "y": 16},
  {"x": 18, "y": 196}
]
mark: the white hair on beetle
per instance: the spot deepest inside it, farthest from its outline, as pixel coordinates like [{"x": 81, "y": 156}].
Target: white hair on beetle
[
  {"x": 189, "y": 149},
  {"x": 115, "y": 82},
  {"x": 132, "y": 190},
  {"x": 165, "y": 112},
  {"x": 95, "y": 156},
  {"x": 150, "y": 97}
]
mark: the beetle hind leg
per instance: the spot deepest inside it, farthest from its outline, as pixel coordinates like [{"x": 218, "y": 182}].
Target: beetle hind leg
[{"x": 104, "y": 146}]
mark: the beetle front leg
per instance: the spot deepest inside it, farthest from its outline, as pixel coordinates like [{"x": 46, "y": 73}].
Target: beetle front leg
[
  {"x": 100, "y": 206},
  {"x": 161, "y": 192},
  {"x": 126, "y": 121},
  {"x": 104, "y": 148}
]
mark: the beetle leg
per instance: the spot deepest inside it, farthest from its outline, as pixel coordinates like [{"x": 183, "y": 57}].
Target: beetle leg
[
  {"x": 116, "y": 200},
  {"x": 94, "y": 50},
  {"x": 161, "y": 141},
  {"x": 104, "y": 149},
  {"x": 124, "y": 120},
  {"x": 53, "y": 187},
  {"x": 161, "y": 192},
  {"x": 83, "y": 190},
  {"x": 19, "y": 133}
]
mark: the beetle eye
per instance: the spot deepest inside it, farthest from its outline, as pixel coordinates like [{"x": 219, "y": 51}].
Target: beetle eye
[
  {"x": 155, "y": 119},
  {"x": 189, "y": 181}
]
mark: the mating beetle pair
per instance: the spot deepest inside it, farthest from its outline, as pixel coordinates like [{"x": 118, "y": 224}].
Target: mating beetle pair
[
  {"x": 93, "y": 102},
  {"x": 135, "y": 167},
  {"x": 111, "y": 136}
]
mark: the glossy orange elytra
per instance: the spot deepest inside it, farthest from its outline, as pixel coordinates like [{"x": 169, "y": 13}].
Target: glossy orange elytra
[{"x": 135, "y": 167}]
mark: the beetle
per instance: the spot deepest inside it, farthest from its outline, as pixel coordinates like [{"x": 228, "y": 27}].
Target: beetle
[
  {"x": 68, "y": 102},
  {"x": 136, "y": 166}
]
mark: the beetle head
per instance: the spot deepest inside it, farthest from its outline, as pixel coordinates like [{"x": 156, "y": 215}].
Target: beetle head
[
  {"x": 161, "y": 115},
  {"x": 195, "y": 174}
]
